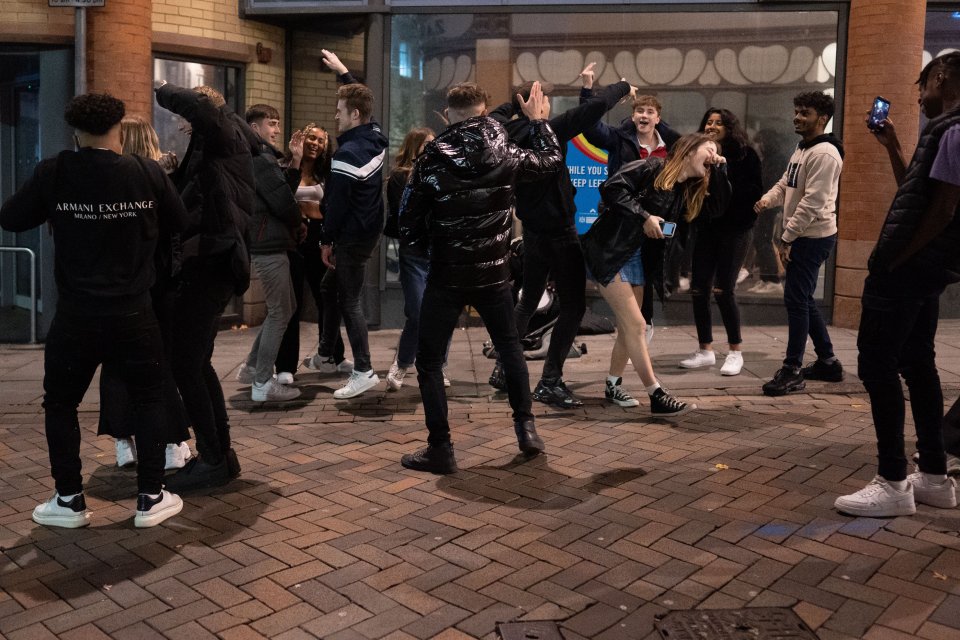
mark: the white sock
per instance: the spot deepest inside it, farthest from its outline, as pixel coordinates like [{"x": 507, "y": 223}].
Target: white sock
[
  {"x": 151, "y": 496},
  {"x": 899, "y": 485},
  {"x": 652, "y": 388},
  {"x": 614, "y": 380},
  {"x": 935, "y": 478},
  {"x": 69, "y": 498}
]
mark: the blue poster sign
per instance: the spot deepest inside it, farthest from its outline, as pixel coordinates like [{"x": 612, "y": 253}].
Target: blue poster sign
[{"x": 588, "y": 169}]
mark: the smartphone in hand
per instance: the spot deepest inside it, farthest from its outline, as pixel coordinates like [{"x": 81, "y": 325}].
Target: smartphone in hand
[
  {"x": 879, "y": 113},
  {"x": 668, "y": 228}
]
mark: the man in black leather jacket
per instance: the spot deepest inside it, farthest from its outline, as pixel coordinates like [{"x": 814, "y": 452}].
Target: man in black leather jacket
[{"x": 458, "y": 207}]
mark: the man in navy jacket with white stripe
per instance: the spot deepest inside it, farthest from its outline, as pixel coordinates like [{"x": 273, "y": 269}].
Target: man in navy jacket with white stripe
[{"x": 353, "y": 220}]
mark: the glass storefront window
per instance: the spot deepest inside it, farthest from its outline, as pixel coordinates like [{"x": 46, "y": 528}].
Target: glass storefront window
[{"x": 752, "y": 63}]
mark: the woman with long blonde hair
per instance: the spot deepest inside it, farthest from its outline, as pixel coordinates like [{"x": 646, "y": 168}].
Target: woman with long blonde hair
[{"x": 638, "y": 201}]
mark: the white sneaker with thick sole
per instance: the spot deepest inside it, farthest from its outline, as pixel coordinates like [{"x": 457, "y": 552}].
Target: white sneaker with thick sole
[
  {"x": 273, "y": 391},
  {"x": 285, "y": 377},
  {"x": 733, "y": 364},
  {"x": 742, "y": 275},
  {"x": 57, "y": 512},
  {"x": 937, "y": 492},
  {"x": 126, "y": 452},
  {"x": 953, "y": 463},
  {"x": 699, "y": 358},
  {"x": 358, "y": 382},
  {"x": 395, "y": 376},
  {"x": 446, "y": 380},
  {"x": 327, "y": 365},
  {"x": 152, "y": 511},
  {"x": 246, "y": 374},
  {"x": 879, "y": 499},
  {"x": 174, "y": 456}
]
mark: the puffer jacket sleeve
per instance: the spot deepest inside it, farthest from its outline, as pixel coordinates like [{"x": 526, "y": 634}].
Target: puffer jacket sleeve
[
  {"x": 621, "y": 193},
  {"x": 416, "y": 205},
  {"x": 542, "y": 160}
]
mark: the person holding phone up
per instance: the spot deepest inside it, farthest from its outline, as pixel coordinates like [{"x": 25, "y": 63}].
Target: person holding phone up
[{"x": 720, "y": 243}]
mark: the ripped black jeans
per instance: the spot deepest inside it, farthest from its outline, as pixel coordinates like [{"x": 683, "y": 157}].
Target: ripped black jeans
[{"x": 718, "y": 255}]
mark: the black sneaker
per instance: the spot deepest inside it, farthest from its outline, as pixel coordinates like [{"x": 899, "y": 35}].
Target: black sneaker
[
  {"x": 664, "y": 404},
  {"x": 233, "y": 464},
  {"x": 434, "y": 458},
  {"x": 527, "y": 438},
  {"x": 497, "y": 379},
  {"x": 785, "y": 380},
  {"x": 556, "y": 394},
  {"x": 199, "y": 474},
  {"x": 820, "y": 370}
]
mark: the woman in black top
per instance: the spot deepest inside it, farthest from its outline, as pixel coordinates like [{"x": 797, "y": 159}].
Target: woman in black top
[{"x": 721, "y": 241}]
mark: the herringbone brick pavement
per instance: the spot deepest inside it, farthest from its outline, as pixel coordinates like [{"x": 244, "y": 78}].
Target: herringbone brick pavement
[{"x": 625, "y": 518}]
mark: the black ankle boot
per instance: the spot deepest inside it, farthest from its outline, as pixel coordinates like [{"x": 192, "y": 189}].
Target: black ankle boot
[
  {"x": 434, "y": 458},
  {"x": 527, "y": 438}
]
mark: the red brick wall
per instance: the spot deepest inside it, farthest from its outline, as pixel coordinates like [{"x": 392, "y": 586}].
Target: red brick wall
[
  {"x": 120, "y": 61},
  {"x": 884, "y": 49}
]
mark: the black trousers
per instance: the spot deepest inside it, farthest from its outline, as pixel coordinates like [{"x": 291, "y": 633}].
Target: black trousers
[
  {"x": 562, "y": 258},
  {"x": 342, "y": 298},
  {"x": 438, "y": 317},
  {"x": 717, "y": 257},
  {"x": 206, "y": 288},
  {"x": 76, "y": 345},
  {"x": 898, "y": 325}
]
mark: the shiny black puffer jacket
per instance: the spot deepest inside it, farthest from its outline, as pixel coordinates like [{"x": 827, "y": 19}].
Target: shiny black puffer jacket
[{"x": 460, "y": 197}]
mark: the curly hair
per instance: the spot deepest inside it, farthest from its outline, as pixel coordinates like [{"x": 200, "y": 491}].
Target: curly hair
[
  {"x": 216, "y": 98},
  {"x": 94, "y": 113},
  {"x": 735, "y": 140},
  {"x": 816, "y": 100}
]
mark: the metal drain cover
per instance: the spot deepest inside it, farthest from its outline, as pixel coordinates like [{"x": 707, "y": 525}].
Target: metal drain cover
[
  {"x": 761, "y": 623},
  {"x": 534, "y": 630}
]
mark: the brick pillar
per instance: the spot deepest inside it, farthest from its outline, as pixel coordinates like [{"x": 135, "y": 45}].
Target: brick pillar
[
  {"x": 119, "y": 56},
  {"x": 867, "y": 186},
  {"x": 494, "y": 68}
]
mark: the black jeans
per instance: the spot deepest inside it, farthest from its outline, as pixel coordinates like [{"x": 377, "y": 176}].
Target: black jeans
[
  {"x": 562, "y": 258},
  {"x": 76, "y": 344},
  {"x": 898, "y": 324},
  {"x": 951, "y": 430},
  {"x": 807, "y": 255},
  {"x": 205, "y": 289},
  {"x": 717, "y": 257},
  {"x": 342, "y": 291},
  {"x": 438, "y": 316},
  {"x": 305, "y": 264},
  {"x": 766, "y": 261}
]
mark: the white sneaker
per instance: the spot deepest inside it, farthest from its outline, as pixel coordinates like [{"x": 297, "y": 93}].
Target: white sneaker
[
  {"x": 56, "y": 512},
  {"x": 285, "y": 377},
  {"x": 185, "y": 451},
  {"x": 732, "y": 364},
  {"x": 936, "y": 492},
  {"x": 126, "y": 452},
  {"x": 683, "y": 284},
  {"x": 446, "y": 380},
  {"x": 358, "y": 382},
  {"x": 766, "y": 288},
  {"x": 327, "y": 365},
  {"x": 273, "y": 391},
  {"x": 395, "y": 376},
  {"x": 174, "y": 458},
  {"x": 648, "y": 335},
  {"x": 246, "y": 374},
  {"x": 699, "y": 358},
  {"x": 879, "y": 499},
  {"x": 743, "y": 275},
  {"x": 152, "y": 511}
]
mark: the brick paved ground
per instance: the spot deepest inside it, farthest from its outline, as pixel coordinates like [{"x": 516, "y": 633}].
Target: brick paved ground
[{"x": 325, "y": 535}]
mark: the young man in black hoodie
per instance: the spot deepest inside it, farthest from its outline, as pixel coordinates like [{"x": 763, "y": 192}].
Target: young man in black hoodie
[
  {"x": 914, "y": 260},
  {"x": 107, "y": 212},
  {"x": 457, "y": 207},
  {"x": 551, "y": 247},
  {"x": 353, "y": 219},
  {"x": 216, "y": 182}
]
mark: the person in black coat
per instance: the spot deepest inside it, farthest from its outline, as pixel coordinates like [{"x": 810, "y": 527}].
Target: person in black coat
[
  {"x": 721, "y": 241},
  {"x": 551, "y": 247},
  {"x": 457, "y": 208}
]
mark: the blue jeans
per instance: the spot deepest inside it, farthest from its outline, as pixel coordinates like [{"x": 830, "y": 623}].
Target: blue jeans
[
  {"x": 898, "y": 324},
  {"x": 413, "y": 280},
  {"x": 807, "y": 255}
]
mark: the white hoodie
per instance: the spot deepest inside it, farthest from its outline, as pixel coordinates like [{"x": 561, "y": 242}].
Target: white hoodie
[{"x": 808, "y": 192}]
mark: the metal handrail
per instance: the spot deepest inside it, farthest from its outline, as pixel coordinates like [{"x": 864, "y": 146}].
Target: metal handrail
[{"x": 33, "y": 287}]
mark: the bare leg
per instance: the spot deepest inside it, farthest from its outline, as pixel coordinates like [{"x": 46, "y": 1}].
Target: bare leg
[{"x": 625, "y": 300}]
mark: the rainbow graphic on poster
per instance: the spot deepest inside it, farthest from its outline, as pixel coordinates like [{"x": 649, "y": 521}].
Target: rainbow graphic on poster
[{"x": 587, "y": 165}]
